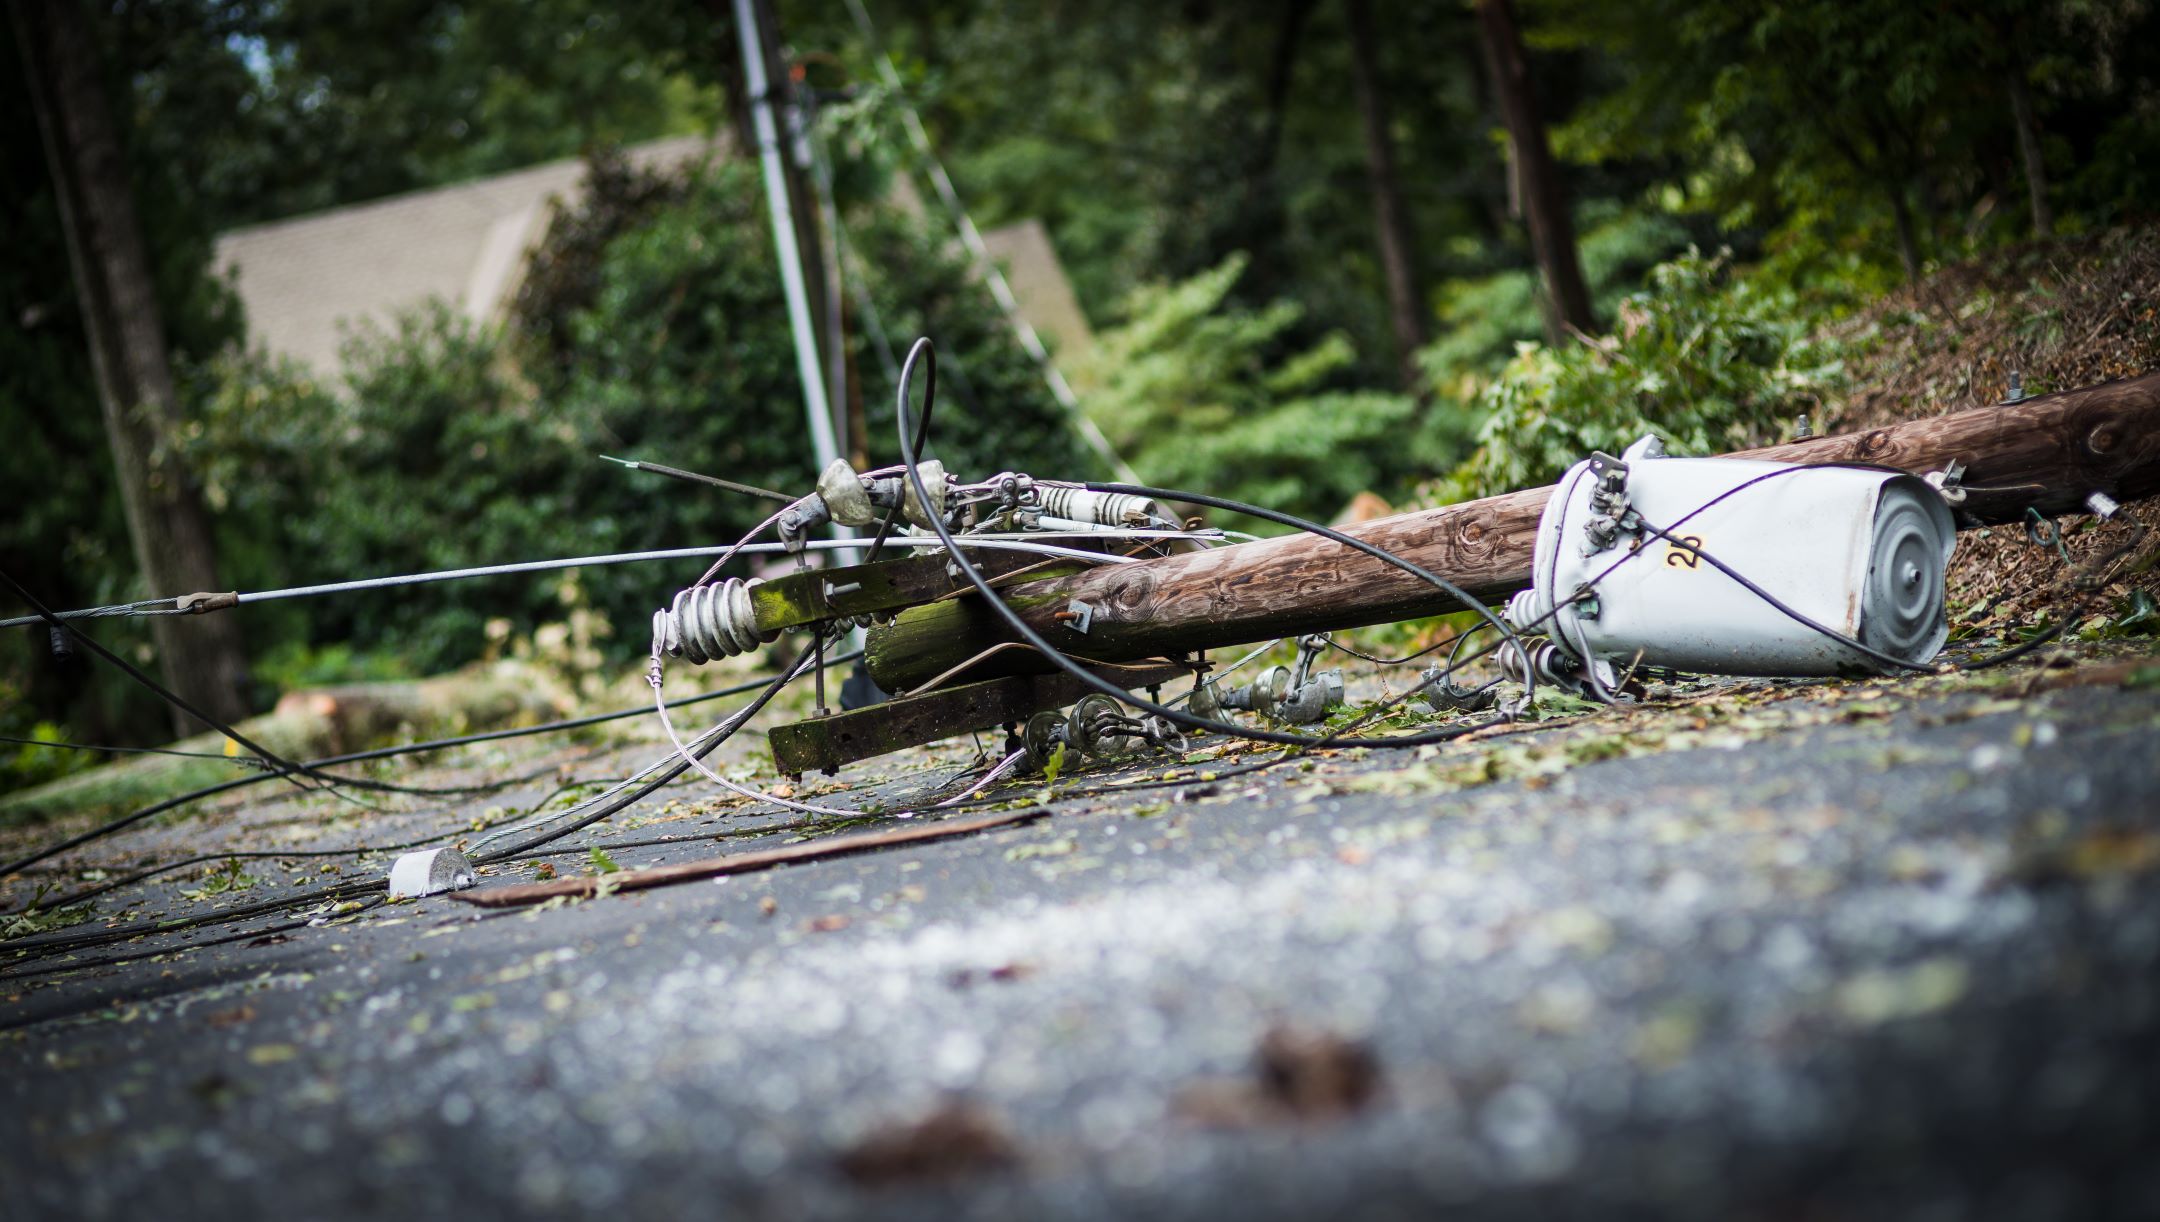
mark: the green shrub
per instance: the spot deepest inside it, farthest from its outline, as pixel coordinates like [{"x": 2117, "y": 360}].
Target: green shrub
[
  {"x": 652, "y": 326},
  {"x": 1202, "y": 394},
  {"x": 1707, "y": 362}
]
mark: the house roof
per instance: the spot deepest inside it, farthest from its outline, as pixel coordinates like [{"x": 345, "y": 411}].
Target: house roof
[{"x": 307, "y": 281}]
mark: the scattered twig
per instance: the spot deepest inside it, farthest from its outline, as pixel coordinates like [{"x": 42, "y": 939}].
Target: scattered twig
[{"x": 741, "y": 863}]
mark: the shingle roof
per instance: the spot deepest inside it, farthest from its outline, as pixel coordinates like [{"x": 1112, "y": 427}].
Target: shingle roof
[{"x": 305, "y": 281}]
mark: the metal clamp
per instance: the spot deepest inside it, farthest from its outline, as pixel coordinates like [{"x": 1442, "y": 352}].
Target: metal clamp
[
  {"x": 1609, "y": 508},
  {"x": 1281, "y": 693},
  {"x": 1078, "y": 616},
  {"x": 1949, "y": 482}
]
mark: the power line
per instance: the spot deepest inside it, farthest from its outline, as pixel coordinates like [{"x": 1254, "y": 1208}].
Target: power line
[
  {"x": 62, "y": 746},
  {"x": 282, "y": 766},
  {"x": 1060, "y": 389},
  {"x": 219, "y": 602},
  {"x": 439, "y": 744}
]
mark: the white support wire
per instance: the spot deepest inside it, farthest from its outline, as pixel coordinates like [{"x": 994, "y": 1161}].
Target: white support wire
[
  {"x": 1060, "y": 389},
  {"x": 1018, "y": 541}
]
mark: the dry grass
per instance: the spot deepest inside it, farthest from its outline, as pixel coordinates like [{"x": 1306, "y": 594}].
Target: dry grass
[{"x": 2061, "y": 314}]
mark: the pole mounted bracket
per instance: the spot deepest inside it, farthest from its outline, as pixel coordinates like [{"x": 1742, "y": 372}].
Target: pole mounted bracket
[
  {"x": 196, "y": 604},
  {"x": 1079, "y": 616}
]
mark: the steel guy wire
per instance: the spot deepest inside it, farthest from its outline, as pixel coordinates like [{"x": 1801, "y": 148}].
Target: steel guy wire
[
  {"x": 280, "y": 765},
  {"x": 438, "y": 744},
  {"x": 693, "y": 477},
  {"x": 987, "y": 267},
  {"x": 1021, "y": 541}
]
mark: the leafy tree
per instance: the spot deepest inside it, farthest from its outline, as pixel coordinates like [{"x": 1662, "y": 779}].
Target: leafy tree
[
  {"x": 1868, "y": 125},
  {"x": 1190, "y": 391},
  {"x": 1707, "y": 361},
  {"x": 652, "y": 327},
  {"x": 269, "y": 109}
]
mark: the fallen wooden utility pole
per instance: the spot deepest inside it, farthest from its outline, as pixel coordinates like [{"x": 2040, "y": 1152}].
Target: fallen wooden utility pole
[{"x": 2048, "y": 453}]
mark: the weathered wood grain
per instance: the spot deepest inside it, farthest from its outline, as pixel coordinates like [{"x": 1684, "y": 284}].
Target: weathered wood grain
[{"x": 2048, "y": 452}]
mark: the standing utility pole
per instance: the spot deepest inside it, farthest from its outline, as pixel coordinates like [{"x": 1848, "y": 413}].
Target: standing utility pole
[
  {"x": 202, "y": 659},
  {"x": 789, "y": 236}
]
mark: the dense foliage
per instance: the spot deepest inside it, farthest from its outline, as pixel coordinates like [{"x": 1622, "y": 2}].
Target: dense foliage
[
  {"x": 1707, "y": 363},
  {"x": 1199, "y": 392},
  {"x": 451, "y": 444},
  {"x": 1200, "y": 171}
]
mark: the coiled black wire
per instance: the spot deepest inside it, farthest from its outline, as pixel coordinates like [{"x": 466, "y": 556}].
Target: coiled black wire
[{"x": 927, "y": 352}]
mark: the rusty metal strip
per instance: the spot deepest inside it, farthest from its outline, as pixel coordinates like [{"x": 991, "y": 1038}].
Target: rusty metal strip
[
  {"x": 822, "y": 744},
  {"x": 740, "y": 863},
  {"x": 812, "y": 595}
]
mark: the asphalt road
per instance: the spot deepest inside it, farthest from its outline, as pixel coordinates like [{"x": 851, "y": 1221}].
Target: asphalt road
[{"x": 1849, "y": 950}]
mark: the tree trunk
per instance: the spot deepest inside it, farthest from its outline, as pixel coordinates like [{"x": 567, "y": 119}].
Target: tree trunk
[
  {"x": 1544, "y": 196},
  {"x": 1908, "y": 239},
  {"x": 2028, "y": 138},
  {"x": 1405, "y": 310},
  {"x": 802, "y": 202},
  {"x": 201, "y": 659},
  {"x": 1289, "y": 38}
]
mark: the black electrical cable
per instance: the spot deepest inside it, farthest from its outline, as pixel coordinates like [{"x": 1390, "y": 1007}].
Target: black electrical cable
[
  {"x": 1299, "y": 752},
  {"x": 2045, "y": 636},
  {"x": 1789, "y": 612},
  {"x": 681, "y": 765},
  {"x": 922, "y": 438},
  {"x": 911, "y": 468},
  {"x": 150, "y": 953},
  {"x": 1404, "y": 660},
  {"x": 279, "y": 765},
  {"x": 438, "y": 744},
  {"x": 245, "y": 761},
  {"x": 364, "y": 850},
  {"x": 624, "y": 800},
  {"x": 60, "y": 943}
]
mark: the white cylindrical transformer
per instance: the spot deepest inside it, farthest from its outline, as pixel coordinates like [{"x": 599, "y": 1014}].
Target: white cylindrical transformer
[{"x": 1859, "y": 550}]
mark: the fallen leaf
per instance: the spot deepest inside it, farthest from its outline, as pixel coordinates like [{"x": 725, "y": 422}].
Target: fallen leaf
[{"x": 958, "y": 1138}]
